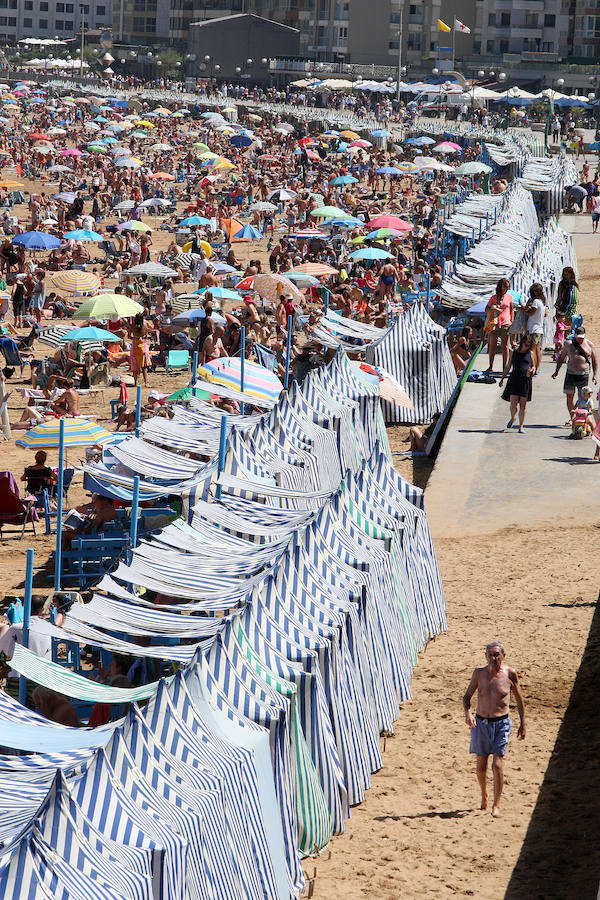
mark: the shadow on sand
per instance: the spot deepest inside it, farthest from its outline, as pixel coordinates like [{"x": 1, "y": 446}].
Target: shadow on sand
[{"x": 560, "y": 857}]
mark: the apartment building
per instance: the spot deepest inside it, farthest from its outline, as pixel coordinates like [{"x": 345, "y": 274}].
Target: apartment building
[
  {"x": 52, "y": 18},
  {"x": 530, "y": 30}
]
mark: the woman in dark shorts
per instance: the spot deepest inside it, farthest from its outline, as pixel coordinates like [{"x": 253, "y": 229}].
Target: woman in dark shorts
[
  {"x": 18, "y": 302},
  {"x": 518, "y": 388}
]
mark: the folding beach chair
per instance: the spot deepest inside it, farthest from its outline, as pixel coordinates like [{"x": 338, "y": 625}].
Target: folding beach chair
[
  {"x": 177, "y": 361},
  {"x": 14, "y": 511}
]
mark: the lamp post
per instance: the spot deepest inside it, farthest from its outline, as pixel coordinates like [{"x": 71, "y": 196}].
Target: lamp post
[{"x": 400, "y": 70}]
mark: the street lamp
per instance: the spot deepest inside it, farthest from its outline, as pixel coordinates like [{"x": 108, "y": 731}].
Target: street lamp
[{"x": 560, "y": 82}]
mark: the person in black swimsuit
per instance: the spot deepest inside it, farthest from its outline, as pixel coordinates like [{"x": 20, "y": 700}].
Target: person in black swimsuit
[{"x": 518, "y": 388}]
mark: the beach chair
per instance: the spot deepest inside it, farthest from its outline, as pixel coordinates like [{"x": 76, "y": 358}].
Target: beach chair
[
  {"x": 14, "y": 511},
  {"x": 177, "y": 361}
]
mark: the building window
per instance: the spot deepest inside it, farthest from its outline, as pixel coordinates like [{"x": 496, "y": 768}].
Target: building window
[
  {"x": 394, "y": 45},
  {"x": 3, "y": 4},
  {"x": 27, "y": 23},
  {"x": 492, "y": 19},
  {"x": 28, "y": 4},
  {"x": 139, "y": 5},
  {"x": 138, "y": 23},
  {"x": 549, "y": 21},
  {"x": 69, "y": 7},
  {"x": 60, "y": 25},
  {"x": 547, "y": 46},
  {"x": 44, "y": 6},
  {"x": 12, "y": 21},
  {"x": 100, "y": 10},
  {"x": 60, "y": 7},
  {"x": 3, "y": 20},
  {"x": 505, "y": 20},
  {"x": 489, "y": 47},
  {"x": 150, "y": 25},
  {"x": 395, "y": 18},
  {"x": 531, "y": 19},
  {"x": 476, "y": 47},
  {"x": 503, "y": 46},
  {"x": 44, "y": 24}
]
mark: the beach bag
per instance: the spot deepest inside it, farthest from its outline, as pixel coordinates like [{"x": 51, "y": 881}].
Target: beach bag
[{"x": 519, "y": 324}]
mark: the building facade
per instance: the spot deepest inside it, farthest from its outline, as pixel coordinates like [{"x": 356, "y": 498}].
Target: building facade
[
  {"x": 238, "y": 46},
  {"x": 52, "y": 18},
  {"x": 527, "y": 30}
]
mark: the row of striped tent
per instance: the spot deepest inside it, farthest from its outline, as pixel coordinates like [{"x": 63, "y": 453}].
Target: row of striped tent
[
  {"x": 297, "y": 603},
  {"x": 415, "y": 352}
]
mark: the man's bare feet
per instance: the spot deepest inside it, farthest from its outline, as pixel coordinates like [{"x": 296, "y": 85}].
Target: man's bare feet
[
  {"x": 483, "y": 803},
  {"x": 496, "y": 812}
]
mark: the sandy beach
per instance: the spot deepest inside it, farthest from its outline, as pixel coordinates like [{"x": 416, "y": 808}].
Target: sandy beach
[{"x": 419, "y": 833}]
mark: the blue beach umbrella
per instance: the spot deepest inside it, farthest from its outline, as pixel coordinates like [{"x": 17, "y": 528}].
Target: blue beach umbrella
[
  {"x": 344, "y": 179},
  {"x": 89, "y": 333},
  {"x": 37, "y": 240},
  {"x": 248, "y": 231},
  {"x": 389, "y": 170},
  {"x": 81, "y": 234},
  {"x": 370, "y": 253},
  {"x": 195, "y": 220}
]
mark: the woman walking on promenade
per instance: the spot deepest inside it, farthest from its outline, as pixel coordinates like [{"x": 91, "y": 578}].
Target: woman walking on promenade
[
  {"x": 500, "y": 312},
  {"x": 518, "y": 388}
]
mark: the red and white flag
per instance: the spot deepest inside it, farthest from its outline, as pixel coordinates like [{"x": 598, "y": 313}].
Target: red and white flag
[{"x": 460, "y": 26}]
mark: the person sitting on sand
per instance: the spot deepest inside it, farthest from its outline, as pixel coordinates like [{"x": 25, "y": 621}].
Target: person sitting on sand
[
  {"x": 97, "y": 514},
  {"x": 38, "y": 476},
  {"x": 67, "y": 404},
  {"x": 419, "y": 439}
]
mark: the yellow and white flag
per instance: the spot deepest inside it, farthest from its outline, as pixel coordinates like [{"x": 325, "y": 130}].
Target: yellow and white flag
[{"x": 460, "y": 26}]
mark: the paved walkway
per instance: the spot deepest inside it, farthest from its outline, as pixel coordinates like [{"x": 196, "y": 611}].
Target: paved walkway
[{"x": 487, "y": 478}]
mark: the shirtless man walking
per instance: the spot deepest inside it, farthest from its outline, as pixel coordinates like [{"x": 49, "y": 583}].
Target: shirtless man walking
[{"x": 491, "y": 726}]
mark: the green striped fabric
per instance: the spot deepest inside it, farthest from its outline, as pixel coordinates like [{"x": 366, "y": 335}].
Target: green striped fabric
[
  {"x": 313, "y": 821},
  {"x": 64, "y": 681}
]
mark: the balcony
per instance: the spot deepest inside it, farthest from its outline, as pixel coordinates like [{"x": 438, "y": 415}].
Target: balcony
[{"x": 539, "y": 56}]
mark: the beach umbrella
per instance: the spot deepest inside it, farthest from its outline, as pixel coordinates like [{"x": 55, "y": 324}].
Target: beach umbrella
[
  {"x": 249, "y": 233},
  {"x": 280, "y": 195},
  {"x": 153, "y": 269},
  {"x": 128, "y": 162},
  {"x": 190, "y": 317},
  {"x": 362, "y": 144},
  {"x": 37, "y": 240},
  {"x": 89, "y": 333},
  {"x": 219, "y": 293},
  {"x": 55, "y": 170},
  {"x": 241, "y": 140},
  {"x": 422, "y": 141},
  {"x": 380, "y": 233},
  {"x": 447, "y": 147},
  {"x": 351, "y": 135},
  {"x": 263, "y": 206},
  {"x": 81, "y": 234},
  {"x": 408, "y": 168},
  {"x": 388, "y": 170},
  {"x": 343, "y": 222},
  {"x": 163, "y": 176},
  {"x": 301, "y": 278},
  {"x": 381, "y": 133},
  {"x": 473, "y": 168},
  {"x": 328, "y": 212},
  {"x": 258, "y": 381},
  {"x": 106, "y": 306},
  {"x": 394, "y": 222},
  {"x": 271, "y": 287},
  {"x": 75, "y": 282},
  {"x": 134, "y": 225},
  {"x": 315, "y": 269},
  {"x": 195, "y": 220},
  {"x": 163, "y": 148},
  {"x": 370, "y": 253},
  {"x": 154, "y": 201},
  {"x": 71, "y": 151},
  {"x": 78, "y": 432},
  {"x": 67, "y": 196},
  {"x": 344, "y": 179}
]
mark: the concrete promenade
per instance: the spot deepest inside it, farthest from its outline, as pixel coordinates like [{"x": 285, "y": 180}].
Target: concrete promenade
[{"x": 487, "y": 478}]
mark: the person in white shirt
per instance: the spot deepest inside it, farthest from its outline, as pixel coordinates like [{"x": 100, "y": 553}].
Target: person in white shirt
[
  {"x": 536, "y": 312},
  {"x": 595, "y": 213}
]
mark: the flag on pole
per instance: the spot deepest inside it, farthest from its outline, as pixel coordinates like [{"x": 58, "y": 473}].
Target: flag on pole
[
  {"x": 460, "y": 26},
  {"x": 441, "y": 26}
]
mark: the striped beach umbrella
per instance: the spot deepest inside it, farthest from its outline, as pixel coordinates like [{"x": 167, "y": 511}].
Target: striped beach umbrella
[
  {"x": 75, "y": 282},
  {"x": 79, "y": 432},
  {"x": 258, "y": 381}
]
